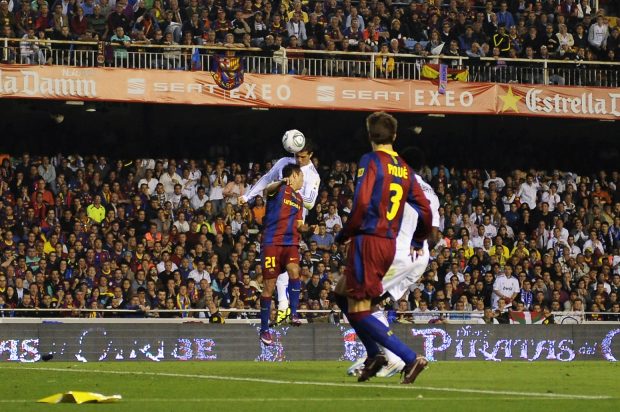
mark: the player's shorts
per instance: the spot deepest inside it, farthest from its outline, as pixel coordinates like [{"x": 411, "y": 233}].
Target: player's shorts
[
  {"x": 405, "y": 271},
  {"x": 276, "y": 258},
  {"x": 368, "y": 260}
]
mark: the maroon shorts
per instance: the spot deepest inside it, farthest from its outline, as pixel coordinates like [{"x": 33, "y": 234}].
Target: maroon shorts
[
  {"x": 368, "y": 260},
  {"x": 276, "y": 258}
]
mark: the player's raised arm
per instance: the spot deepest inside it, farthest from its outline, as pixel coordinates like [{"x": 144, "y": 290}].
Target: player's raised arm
[
  {"x": 271, "y": 176},
  {"x": 310, "y": 192},
  {"x": 272, "y": 188},
  {"x": 366, "y": 176},
  {"x": 300, "y": 221},
  {"x": 418, "y": 200}
]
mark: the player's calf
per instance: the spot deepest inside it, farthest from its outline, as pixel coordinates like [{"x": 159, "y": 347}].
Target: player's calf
[
  {"x": 294, "y": 289},
  {"x": 265, "y": 311}
]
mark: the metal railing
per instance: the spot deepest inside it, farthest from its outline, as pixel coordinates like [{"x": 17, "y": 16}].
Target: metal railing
[
  {"x": 430, "y": 316},
  {"x": 310, "y": 62}
]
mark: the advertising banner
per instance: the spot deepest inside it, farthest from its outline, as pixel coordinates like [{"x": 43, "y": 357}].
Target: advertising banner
[
  {"x": 88, "y": 342},
  {"x": 286, "y": 91}
]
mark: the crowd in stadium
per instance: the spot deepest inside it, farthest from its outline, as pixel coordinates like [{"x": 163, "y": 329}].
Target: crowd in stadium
[
  {"x": 566, "y": 29},
  {"x": 148, "y": 235}
]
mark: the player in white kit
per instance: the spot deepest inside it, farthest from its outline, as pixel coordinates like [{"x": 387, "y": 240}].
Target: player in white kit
[
  {"x": 309, "y": 193},
  {"x": 408, "y": 266}
]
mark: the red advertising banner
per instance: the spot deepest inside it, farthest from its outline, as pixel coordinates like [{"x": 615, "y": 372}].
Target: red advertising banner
[{"x": 285, "y": 91}]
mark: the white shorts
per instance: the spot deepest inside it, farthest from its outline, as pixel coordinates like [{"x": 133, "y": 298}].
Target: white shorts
[{"x": 404, "y": 272}]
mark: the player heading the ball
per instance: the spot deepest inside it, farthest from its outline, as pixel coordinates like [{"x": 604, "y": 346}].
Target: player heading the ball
[
  {"x": 309, "y": 193},
  {"x": 280, "y": 246}
]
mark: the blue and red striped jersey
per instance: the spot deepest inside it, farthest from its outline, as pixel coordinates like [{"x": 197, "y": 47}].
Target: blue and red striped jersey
[
  {"x": 384, "y": 183},
  {"x": 283, "y": 212}
]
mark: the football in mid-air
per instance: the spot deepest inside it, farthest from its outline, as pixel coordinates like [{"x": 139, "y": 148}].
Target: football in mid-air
[{"x": 293, "y": 141}]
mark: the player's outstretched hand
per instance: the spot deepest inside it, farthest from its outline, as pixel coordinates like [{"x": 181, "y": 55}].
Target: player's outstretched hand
[{"x": 241, "y": 201}]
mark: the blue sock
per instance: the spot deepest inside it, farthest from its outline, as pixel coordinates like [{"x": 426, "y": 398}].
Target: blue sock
[
  {"x": 372, "y": 349},
  {"x": 380, "y": 333},
  {"x": 294, "y": 288},
  {"x": 265, "y": 312}
]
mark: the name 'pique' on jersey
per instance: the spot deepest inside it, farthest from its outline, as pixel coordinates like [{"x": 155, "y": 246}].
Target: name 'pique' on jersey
[
  {"x": 283, "y": 212},
  {"x": 381, "y": 172}
]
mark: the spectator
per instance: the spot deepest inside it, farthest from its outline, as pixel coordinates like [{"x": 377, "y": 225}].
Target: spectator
[
  {"x": 564, "y": 37},
  {"x": 121, "y": 42},
  {"x": 24, "y": 19},
  {"x": 79, "y": 22},
  {"x": 116, "y": 19},
  {"x": 98, "y": 21},
  {"x": 30, "y": 52},
  {"x": 296, "y": 27},
  {"x": 504, "y": 17},
  {"x": 598, "y": 34},
  {"x": 323, "y": 239}
]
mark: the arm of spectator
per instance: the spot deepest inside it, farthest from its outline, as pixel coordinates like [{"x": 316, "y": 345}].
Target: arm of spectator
[
  {"x": 8, "y": 262},
  {"x": 228, "y": 189}
]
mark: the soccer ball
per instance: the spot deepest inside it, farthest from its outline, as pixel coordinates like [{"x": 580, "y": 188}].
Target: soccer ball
[{"x": 293, "y": 141}]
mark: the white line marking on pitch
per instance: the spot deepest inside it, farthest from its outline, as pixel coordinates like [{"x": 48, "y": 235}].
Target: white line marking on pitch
[
  {"x": 331, "y": 384},
  {"x": 250, "y": 400}
]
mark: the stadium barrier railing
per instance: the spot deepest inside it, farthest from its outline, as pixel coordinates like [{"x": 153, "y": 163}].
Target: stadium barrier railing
[
  {"x": 251, "y": 315},
  {"x": 320, "y": 63}
]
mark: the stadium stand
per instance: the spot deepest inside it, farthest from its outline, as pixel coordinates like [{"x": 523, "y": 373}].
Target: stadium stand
[
  {"x": 552, "y": 42},
  {"x": 146, "y": 235}
]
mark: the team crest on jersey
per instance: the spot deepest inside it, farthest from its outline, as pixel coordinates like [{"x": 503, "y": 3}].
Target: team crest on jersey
[
  {"x": 228, "y": 72},
  {"x": 360, "y": 172}
]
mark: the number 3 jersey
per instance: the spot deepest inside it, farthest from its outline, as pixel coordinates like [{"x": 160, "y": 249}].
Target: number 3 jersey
[
  {"x": 283, "y": 212},
  {"x": 385, "y": 183}
]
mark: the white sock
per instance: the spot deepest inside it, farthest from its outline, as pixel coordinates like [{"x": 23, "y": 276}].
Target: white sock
[{"x": 282, "y": 286}]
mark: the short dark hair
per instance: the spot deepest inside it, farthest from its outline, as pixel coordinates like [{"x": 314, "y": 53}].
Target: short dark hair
[
  {"x": 381, "y": 128},
  {"x": 290, "y": 169},
  {"x": 309, "y": 146}
]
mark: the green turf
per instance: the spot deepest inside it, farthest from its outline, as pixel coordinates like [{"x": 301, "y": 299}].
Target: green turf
[{"x": 252, "y": 386}]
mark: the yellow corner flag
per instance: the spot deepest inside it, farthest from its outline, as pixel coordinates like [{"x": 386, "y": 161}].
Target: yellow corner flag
[{"x": 80, "y": 397}]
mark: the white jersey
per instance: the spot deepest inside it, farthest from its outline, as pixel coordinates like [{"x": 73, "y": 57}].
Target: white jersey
[
  {"x": 309, "y": 191},
  {"x": 410, "y": 218},
  {"x": 407, "y": 269},
  {"x": 506, "y": 286}
]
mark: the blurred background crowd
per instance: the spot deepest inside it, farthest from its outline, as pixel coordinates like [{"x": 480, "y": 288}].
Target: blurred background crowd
[
  {"x": 148, "y": 235},
  {"x": 561, "y": 29}
]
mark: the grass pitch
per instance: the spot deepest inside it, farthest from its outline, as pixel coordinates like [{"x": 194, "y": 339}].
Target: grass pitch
[{"x": 314, "y": 386}]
